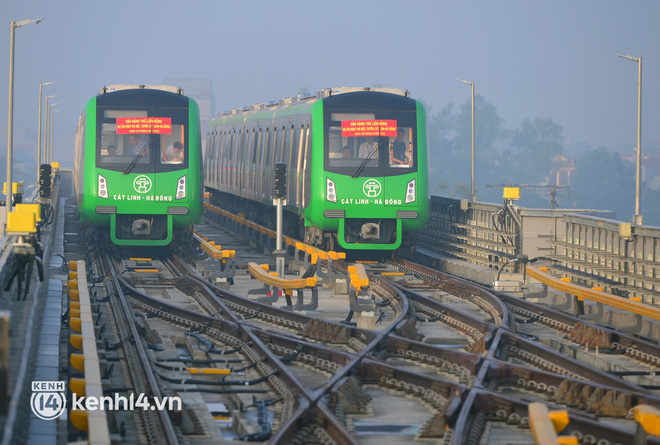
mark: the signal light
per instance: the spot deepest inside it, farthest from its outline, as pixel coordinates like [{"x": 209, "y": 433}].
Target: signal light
[
  {"x": 45, "y": 180},
  {"x": 45, "y": 169},
  {"x": 280, "y": 180}
]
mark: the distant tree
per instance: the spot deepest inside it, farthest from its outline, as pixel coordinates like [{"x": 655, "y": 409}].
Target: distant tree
[
  {"x": 462, "y": 190},
  {"x": 441, "y": 188},
  {"x": 534, "y": 145},
  {"x": 604, "y": 181},
  {"x": 440, "y": 130},
  {"x": 450, "y": 142},
  {"x": 650, "y": 207}
]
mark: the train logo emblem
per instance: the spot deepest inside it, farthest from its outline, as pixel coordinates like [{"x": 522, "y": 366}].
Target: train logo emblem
[
  {"x": 142, "y": 184},
  {"x": 372, "y": 188},
  {"x": 48, "y": 400}
]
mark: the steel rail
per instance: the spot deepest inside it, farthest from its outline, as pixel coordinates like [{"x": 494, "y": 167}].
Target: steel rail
[
  {"x": 167, "y": 430},
  {"x": 482, "y": 406},
  {"x": 374, "y": 341},
  {"x": 237, "y": 328}
]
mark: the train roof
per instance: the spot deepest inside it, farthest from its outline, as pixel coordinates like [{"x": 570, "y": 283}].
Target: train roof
[
  {"x": 310, "y": 98},
  {"x": 119, "y": 87}
]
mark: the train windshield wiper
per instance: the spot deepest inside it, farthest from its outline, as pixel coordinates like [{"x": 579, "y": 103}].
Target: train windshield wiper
[
  {"x": 137, "y": 157},
  {"x": 364, "y": 163}
]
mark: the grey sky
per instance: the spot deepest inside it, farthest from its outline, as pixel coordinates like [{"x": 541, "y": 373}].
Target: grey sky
[{"x": 530, "y": 58}]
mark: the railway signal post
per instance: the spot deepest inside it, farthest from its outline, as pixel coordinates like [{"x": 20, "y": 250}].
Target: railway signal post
[{"x": 279, "y": 199}]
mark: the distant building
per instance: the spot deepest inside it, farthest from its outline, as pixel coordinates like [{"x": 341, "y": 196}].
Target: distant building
[{"x": 562, "y": 169}]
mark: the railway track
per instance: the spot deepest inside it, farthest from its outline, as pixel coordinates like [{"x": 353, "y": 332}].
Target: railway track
[{"x": 459, "y": 363}]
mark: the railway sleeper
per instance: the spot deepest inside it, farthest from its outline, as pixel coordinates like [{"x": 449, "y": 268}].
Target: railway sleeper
[
  {"x": 598, "y": 401},
  {"x": 349, "y": 398},
  {"x": 328, "y": 332},
  {"x": 591, "y": 335}
]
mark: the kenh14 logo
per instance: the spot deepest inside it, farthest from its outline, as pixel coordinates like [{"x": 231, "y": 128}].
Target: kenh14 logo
[{"x": 48, "y": 400}]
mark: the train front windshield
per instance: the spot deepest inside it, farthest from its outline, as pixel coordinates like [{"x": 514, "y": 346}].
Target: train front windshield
[
  {"x": 363, "y": 142},
  {"x": 142, "y": 141}
]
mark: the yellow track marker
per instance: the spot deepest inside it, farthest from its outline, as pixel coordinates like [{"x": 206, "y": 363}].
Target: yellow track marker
[{"x": 215, "y": 371}]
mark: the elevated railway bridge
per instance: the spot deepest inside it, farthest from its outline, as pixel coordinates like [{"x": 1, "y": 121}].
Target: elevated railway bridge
[{"x": 496, "y": 324}]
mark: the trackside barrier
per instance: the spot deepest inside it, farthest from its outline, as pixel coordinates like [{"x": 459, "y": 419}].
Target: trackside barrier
[
  {"x": 227, "y": 266},
  {"x": 264, "y": 235},
  {"x": 81, "y": 321},
  {"x": 594, "y": 294},
  {"x": 648, "y": 423},
  {"x": 359, "y": 282},
  {"x": 272, "y": 283},
  {"x": 215, "y": 251},
  {"x": 546, "y": 424}
]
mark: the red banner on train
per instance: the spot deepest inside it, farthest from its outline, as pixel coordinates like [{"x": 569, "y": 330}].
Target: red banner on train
[
  {"x": 377, "y": 127},
  {"x": 144, "y": 125}
]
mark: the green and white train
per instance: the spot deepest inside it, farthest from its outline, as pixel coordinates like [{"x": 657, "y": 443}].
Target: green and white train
[
  {"x": 138, "y": 164},
  {"x": 357, "y": 165}
]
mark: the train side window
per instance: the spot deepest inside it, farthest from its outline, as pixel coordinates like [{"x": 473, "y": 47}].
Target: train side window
[
  {"x": 286, "y": 146},
  {"x": 210, "y": 148},
  {"x": 230, "y": 146},
  {"x": 237, "y": 144},
  {"x": 245, "y": 147},
  {"x": 276, "y": 147},
  {"x": 216, "y": 156},
  {"x": 265, "y": 150},
  {"x": 255, "y": 146},
  {"x": 223, "y": 157},
  {"x": 300, "y": 145},
  {"x": 295, "y": 144}
]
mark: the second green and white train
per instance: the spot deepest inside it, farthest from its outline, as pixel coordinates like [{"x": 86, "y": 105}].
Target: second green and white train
[{"x": 357, "y": 165}]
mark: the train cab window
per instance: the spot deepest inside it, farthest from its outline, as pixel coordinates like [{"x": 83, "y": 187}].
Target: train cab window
[
  {"x": 353, "y": 151},
  {"x": 370, "y": 144},
  {"x": 142, "y": 141},
  {"x": 172, "y": 148},
  {"x": 400, "y": 155}
]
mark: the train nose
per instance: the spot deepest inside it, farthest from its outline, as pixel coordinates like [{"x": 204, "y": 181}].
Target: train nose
[{"x": 141, "y": 227}]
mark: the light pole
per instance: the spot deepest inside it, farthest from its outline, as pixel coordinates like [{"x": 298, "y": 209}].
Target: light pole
[
  {"x": 47, "y": 126},
  {"x": 473, "y": 193},
  {"x": 637, "y": 217},
  {"x": 10, "y": 109},
  {"x": 52, "y": 135},
  {"x": 41, "y": 85}
]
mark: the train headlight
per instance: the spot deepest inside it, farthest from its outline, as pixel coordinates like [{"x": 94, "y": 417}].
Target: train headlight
[
  {"x": 411, "y": 194},
  {"x": 103, "y": 188},
  {"x": 330, "y": 190},
  {"x": 181, "y": 187}
]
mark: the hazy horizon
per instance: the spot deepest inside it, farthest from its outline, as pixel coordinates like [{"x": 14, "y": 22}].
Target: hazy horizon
[{"x": 530, "y": 59}]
